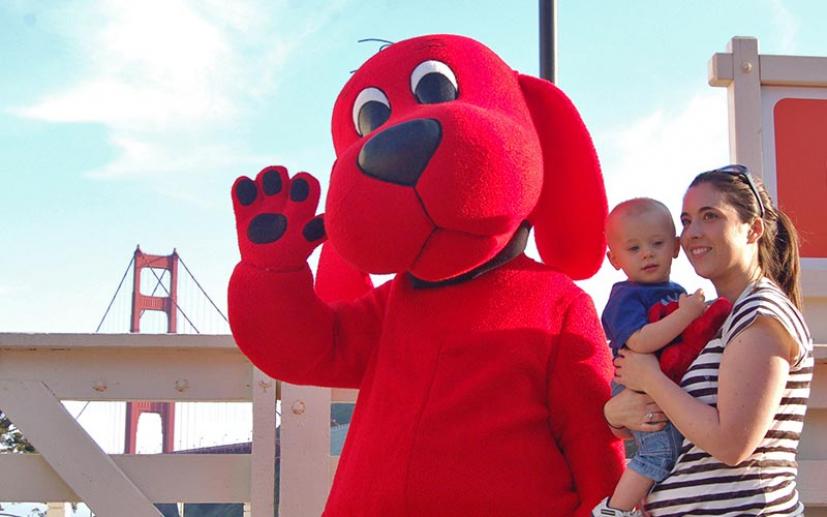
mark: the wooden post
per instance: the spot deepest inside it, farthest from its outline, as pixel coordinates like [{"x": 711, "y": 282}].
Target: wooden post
[
  {"x": 305, "y": 450},
  {"x": 263, "y": 464},
  {"x": 745, "y": 105}
]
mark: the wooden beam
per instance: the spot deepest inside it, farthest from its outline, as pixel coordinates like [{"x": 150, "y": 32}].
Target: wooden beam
[
  {"x": 813, "y": 280},
  {"x": 811, "y": 476},
  {"x": 343, "y": 395},
  {"x": 31, "y": 341},
  {"x": 793, "y": 71},
  {"x": 719, "y": 70},
  {"x": 91, "y": 474},
  {"x": 163, "y": 478},
  {"x": 133, "y": 373}
]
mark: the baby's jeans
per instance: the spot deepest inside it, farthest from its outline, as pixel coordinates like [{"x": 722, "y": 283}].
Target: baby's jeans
[{"x": 657, "y": 451}]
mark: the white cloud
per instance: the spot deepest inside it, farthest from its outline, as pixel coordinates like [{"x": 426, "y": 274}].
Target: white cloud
[
  {"x": 122, "y": 105},
  {"x": 787, "y": 26},
  {"x": 170, "y": 79},
  {"x": 148, "y": 66},
  {"x": 657, "y": 156},
  {"x": 153, "y": 156}
]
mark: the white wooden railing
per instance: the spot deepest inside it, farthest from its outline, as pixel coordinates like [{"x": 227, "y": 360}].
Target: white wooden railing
[
  {"x": 37, "y": 371},
  {"x": 306, "y": 475}
]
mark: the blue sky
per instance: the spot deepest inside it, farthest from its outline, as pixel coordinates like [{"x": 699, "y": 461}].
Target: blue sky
[{"x": 127, "y": 122}]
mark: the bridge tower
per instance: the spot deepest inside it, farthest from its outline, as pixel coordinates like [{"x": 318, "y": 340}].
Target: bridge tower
[{"x": 167, "y": 304}]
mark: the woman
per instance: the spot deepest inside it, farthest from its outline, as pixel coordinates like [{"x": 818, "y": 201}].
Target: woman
[{"x": 741, "y": 404}]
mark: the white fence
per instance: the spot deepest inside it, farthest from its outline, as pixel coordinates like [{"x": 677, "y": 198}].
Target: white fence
[{"x": 37, "y": 371}]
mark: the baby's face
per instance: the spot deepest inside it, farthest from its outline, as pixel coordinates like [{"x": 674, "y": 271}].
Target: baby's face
[{"x": 643, "y": 245}]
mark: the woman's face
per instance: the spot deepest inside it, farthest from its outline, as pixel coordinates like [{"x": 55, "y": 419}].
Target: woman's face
[{"x": 718, "y": 244}]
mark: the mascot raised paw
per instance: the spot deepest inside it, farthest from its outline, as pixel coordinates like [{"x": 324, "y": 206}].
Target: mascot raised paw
[{"x": 482, "y": 373}]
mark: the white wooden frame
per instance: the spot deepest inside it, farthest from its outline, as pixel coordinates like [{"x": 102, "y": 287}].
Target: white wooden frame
[
  {"x": 37, "y": 371},
  {"x": 307, "y": 467},
  {"x": 754, "y": 84},
  {"x": 305, "y": 446}
]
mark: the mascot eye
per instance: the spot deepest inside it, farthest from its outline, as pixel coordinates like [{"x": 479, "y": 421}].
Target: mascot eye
[
  {"x": 433, "y": 82},
  {"x": 370, "y": 110}
]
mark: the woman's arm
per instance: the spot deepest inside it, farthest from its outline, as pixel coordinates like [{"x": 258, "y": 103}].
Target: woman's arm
[{"x": 751, "y": 379}]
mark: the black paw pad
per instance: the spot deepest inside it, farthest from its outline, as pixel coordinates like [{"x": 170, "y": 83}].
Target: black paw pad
[
  {"x": 314, "y": 230},
  {"x": 272, "y": 183},
  {"x": 246, "y": 191},
  {"x": 265, "y": 228},
  {"x": 299, "y": 190}
]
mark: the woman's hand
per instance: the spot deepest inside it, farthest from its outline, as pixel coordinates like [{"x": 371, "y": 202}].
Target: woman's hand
[
  {"x": 636, "y": 411},
  {"x": 635, "y": 370}
]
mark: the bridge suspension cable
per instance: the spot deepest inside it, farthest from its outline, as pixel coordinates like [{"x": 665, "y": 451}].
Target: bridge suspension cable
[{"x": 183, "y": 297}]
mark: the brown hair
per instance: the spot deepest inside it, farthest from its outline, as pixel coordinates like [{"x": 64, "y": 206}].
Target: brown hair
[{"x": 778, "y": 247}]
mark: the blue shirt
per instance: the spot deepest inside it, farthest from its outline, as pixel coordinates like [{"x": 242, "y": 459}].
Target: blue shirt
[{"x": 628, "y": 308}]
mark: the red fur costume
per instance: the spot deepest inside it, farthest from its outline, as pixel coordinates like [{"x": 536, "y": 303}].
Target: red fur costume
[
  {"x": 482, "y": 373},
  {"x": 675, "y": 359}
]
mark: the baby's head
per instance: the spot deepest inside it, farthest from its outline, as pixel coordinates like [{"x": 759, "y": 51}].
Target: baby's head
[{"x": 642, "y": 240}]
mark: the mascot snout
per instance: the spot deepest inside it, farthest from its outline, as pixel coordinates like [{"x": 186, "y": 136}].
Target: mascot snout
[{"x": 400, "y": 153}]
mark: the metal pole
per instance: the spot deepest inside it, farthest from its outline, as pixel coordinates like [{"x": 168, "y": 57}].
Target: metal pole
[{"x": 548, "y": 40}]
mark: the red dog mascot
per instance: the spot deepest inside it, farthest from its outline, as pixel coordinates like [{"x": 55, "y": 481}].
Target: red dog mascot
[{"x": 482, "y": 373}]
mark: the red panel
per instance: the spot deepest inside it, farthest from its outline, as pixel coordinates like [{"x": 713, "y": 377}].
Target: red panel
[{"x": 801, "y": 169}]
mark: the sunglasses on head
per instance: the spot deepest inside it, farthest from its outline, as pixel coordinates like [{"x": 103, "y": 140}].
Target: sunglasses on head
[{"x": 742, "y": 172}]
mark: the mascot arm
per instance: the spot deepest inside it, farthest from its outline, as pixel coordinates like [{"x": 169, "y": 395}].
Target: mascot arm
[
  {"x": 283, "y": 327},
  {"x": 579, "y": 385},
  {"x": 277, "y": 319}
]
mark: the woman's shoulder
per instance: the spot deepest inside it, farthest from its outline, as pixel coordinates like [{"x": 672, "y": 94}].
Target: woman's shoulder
[{"x": 764, "y": 298}]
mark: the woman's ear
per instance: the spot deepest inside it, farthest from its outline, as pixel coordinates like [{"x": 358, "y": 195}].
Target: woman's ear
[{"x": 756, "y": 230}]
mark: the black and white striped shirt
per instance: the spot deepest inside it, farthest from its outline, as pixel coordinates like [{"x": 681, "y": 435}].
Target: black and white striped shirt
[{"x": 763, "y": 484}]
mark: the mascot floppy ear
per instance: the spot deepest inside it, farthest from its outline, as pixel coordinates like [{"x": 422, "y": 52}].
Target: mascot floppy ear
[{"x": 569, "y": 219}]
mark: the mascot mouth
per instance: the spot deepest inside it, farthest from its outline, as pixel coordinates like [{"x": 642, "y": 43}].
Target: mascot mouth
[
  {"x": 515, "y": 246},
  {"x": 400, "y": 154}
]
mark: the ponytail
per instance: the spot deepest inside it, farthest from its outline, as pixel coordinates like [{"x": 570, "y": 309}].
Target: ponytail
[{"x": 778, "y": 253}]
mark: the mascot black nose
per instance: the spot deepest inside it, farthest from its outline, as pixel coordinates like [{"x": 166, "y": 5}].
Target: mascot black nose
[{"x": 400, "y": 153}]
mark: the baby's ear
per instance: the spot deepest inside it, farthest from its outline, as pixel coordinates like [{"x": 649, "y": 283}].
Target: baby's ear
[
  {"x": 612, "y": 260},
  {"x": 677, "y": 247}
]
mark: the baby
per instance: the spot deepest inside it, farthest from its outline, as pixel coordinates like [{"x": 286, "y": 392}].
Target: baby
[{"x": 642, "y": 242}]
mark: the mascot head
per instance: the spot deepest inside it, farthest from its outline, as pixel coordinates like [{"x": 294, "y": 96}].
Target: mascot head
[{"x": 443, "y": 151}]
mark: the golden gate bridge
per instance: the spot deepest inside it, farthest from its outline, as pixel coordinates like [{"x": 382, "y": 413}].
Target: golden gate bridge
[{"x": 163, "y": 300}]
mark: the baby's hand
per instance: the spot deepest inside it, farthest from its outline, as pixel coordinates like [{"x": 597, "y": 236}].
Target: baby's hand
[{"x": 693, "y": 303}]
